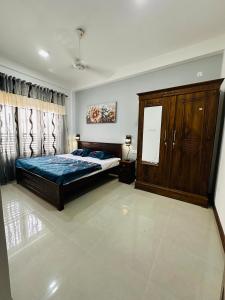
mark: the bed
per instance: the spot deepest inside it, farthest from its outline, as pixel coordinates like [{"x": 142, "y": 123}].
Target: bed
[{"x": 57, "y": 190}]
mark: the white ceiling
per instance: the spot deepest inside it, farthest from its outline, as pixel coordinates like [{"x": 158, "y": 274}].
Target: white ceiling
[{"x": 119, "y": 33}]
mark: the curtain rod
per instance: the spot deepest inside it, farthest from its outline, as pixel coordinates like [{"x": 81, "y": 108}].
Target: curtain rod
[{"x": 36, "y": 78}]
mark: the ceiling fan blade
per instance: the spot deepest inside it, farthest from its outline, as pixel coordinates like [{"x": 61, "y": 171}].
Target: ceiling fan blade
[{"x": 100, "y": 71}]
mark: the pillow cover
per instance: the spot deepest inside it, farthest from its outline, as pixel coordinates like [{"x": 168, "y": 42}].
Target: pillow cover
[
  {"x": 77, "y": 152},
  {"x": 81, "y": 152},
  {"x": 101, "y": 155}
]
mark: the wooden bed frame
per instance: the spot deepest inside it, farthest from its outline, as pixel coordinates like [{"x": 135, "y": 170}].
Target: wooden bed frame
[{"x": 58, "y": 194}]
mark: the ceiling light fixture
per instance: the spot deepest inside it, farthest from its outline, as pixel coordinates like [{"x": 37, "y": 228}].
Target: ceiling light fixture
[{"x": 43, "y": 53}]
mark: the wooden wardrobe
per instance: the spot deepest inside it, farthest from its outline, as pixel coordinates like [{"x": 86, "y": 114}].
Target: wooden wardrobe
[{"x": 176, "y": 139}]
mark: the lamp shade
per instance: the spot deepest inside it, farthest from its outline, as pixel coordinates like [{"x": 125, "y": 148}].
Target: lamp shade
[
  {"x": 128, "y": 140},
  {"x": 77, "y": 137}
]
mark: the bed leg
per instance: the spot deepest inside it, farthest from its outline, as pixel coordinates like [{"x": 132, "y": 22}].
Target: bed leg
[
  {"x": 60, "y": 202},
  {"x": 17, "y": 176},
  {"x": 60, "y": 206}
]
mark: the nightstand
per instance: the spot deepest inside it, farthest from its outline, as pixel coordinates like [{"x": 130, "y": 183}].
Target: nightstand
[{"x": 127, "y": 171}]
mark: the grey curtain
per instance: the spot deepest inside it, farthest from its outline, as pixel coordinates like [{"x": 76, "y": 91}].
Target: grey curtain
[
  {"x": 8, "y": 143},
  {"x": 26, "y": 132}
]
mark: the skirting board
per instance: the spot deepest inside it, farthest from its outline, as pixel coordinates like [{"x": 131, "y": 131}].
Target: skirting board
[{"x": 222, "y": 236}]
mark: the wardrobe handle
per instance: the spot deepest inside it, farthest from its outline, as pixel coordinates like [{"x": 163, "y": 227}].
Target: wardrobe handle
[
  {"x": 165, "y": 136},
  {"x": 174, "y": 138}
]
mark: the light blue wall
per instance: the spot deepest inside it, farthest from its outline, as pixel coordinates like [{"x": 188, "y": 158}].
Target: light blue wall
[{"x": 124, "y": 92}]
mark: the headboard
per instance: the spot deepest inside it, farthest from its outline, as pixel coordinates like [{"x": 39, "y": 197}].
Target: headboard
[{"x": 115, "y": 149}]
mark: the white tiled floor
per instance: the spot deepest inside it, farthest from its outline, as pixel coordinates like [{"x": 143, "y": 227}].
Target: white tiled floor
[{"x": 112, "y": 243}]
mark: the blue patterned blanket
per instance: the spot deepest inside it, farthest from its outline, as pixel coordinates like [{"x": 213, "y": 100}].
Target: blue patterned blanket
[{"x": 56, "y": 168}]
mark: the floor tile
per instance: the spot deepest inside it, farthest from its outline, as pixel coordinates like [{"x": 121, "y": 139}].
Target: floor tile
[{"x": 187, "y": 276}]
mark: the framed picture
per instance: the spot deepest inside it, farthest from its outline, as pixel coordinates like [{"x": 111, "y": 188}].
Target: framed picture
[{"x": 102, "y": 113}]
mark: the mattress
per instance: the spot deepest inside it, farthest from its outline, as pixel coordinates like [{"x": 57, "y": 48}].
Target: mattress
[{"x": 105, "y": 163}]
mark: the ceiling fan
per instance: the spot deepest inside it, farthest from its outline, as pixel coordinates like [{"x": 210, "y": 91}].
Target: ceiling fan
[{"x": 78, "y": 63}]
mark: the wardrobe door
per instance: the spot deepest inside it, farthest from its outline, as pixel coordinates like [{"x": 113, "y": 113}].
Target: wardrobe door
[
  {"x": 154, "y": 116},
  {"x": 192, "y": 141}
]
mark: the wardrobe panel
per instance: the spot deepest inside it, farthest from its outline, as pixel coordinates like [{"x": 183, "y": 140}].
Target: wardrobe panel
[
  {"x": 211, "y": 110},
  {"x": 188, "y": 142},
  {"x": 154, "y": 122}
]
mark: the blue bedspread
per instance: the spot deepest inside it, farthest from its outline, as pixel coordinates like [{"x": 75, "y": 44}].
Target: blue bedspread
[{"x": 57, "y": 169}]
